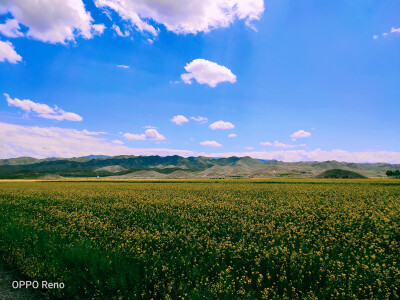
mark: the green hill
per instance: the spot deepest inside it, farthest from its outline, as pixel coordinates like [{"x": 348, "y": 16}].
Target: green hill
[
  {"x": 339, "y": 173},
  {"x": 173, "y": 166}
]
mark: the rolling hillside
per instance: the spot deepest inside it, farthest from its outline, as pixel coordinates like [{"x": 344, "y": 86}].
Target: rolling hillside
[{"x": 174, "y": 167}]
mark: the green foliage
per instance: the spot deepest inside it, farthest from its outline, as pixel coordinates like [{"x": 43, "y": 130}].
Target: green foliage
[
  {"x": 339, "y": 173},
  {"x": 206, "y": 239},
  {"x": 390, "y": 173}
]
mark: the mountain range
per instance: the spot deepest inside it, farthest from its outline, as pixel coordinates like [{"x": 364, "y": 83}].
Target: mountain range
[{"x": 125, "y": 167}]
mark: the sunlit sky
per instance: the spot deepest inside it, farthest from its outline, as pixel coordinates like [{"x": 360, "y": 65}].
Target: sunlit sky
[{"x": 274, "y": 79}]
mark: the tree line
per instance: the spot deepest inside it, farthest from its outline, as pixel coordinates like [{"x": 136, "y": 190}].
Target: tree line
[{"x": 393, "y": 173}]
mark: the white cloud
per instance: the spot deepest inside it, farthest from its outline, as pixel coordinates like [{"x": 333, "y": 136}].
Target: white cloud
[
  {"x": 191, "y": 17},
  {"x": 7, "y": 52},
  {"x": 207, "y": 72},
  {"x": 118, "y": 31},
  {"x": 392, "y": 30},
  {"x": 317, "y": 155},
  {"x": 199, "y": 119},
  {"x": 11, "y": 28},
  {"x": 123, "y": 66},
  {"x": 41, "y": 142},
  {"x": 221, "y": 125},
  {"x": 210, "y": 144},
  {"x": 43, "y": 110},
  {"x": 179, "y": 119},
  {"x": 150, "y": 127},
  {"x": 249, "y": 148},
  {"x": 300, "y": 134},
  {"x": 277, "y": 144},
  {"x": 98, "y": 28},
  {"x": 118, "y": 142},
  {"x": 152, "y": 134},
  {"x": 53, "y": 21},
  {"x": 136, "y": 137},
  {"x": 232, "y": 135},
  {"x": 87, "y": 132},
  {"x": 149, "y": 134}
]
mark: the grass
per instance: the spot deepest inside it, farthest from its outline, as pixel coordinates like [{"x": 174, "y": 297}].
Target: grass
[{"x": 205, "y": 239}]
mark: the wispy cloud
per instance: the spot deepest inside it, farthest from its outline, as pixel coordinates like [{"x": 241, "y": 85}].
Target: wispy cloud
[
  {"x": 11, "y": 28},
  {"x": 199, "y": 119},
  {"x": 232, "y": 135},
  {"x": 118, "y": 31},
  {"x": 193, "y": 17},
  {"x": 8, "y": 53},
  {"x": 41, "y": 142},
  {"x": 123, "y": 66},
  {"x": 277, "y": 144},
  {"x": 393, "y": 30},
  {"x": 43, "y": 110}
]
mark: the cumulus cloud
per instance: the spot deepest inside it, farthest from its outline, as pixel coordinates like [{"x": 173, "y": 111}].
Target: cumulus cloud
[
  {"x": 53, "y": 21},
  {"x": 221, "y": 125},
  {"x": 11, "y": 28},
  {"x": 42, "y": 110},
  {"x": 300, "y": 134},
  {"x": 123, "y": 66},
  {"x": 277, "y": 144},
  {"x": 232, "y": 135},
  {"x": 179, "y": 119},
  {"x": 149, "y": 134},
  {"x": 199, "y": 119},
  {"x": 98, "y": 29},
  {"x": 207, "y": 72},
  {"x": 192, "y": 17},
  {"x": 8, "y": 53},
  {"x": 118, "y": 142},
  {"x": 210, "y": 144},
  {"x": 41, "y": 142}
]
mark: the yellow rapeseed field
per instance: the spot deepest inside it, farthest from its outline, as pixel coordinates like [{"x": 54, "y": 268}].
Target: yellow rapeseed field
[{"x": 205, "y": 239}]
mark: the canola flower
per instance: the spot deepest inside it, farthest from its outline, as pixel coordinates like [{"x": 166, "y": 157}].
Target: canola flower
[{"x": 205, "y": 239}]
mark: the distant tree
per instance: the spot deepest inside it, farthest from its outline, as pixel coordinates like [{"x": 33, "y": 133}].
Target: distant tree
[{"x": 392, "y": 173}]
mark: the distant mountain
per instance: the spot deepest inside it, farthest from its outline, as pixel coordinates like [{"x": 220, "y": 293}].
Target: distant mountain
[{"x": 126, "y": 166}]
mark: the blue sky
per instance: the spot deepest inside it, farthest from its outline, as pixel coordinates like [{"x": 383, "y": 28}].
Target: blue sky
[{"x": 329, "y": 69}]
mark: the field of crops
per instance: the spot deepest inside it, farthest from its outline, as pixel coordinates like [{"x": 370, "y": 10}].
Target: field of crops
[{"x": 221, "y": 239}]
